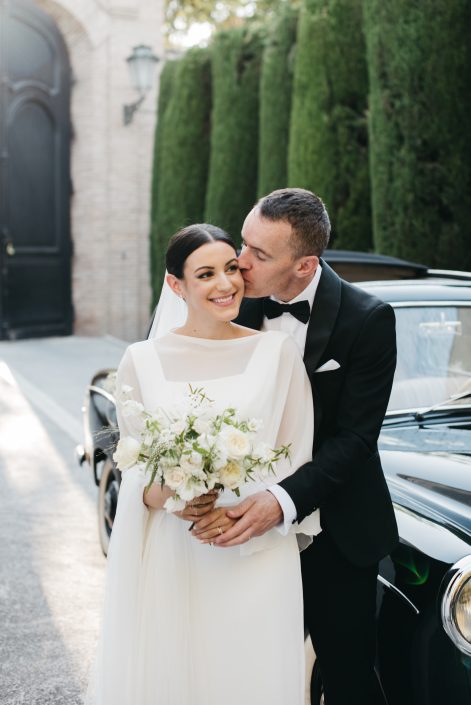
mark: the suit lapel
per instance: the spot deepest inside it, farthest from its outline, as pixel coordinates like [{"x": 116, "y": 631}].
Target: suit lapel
[{"x": 323, "y": 316}]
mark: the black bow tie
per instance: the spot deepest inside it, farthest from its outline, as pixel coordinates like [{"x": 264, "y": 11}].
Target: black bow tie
[{"x": 300, "y": 310}]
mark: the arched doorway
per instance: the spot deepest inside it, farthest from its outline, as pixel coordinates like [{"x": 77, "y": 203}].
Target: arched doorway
[{"x": 35, "y": 187}]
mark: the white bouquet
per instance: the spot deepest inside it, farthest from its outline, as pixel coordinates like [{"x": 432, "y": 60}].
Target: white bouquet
[{"x": 192, "y": 449}]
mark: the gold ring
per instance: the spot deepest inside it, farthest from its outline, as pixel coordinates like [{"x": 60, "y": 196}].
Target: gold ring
[{"x": 220, "y": 531}]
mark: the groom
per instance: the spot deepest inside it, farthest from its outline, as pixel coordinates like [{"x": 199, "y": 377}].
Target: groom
[{"x": 348, "y": 341}]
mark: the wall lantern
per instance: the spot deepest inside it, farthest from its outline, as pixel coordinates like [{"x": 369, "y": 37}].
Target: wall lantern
[{"x": 142, "y": 64}]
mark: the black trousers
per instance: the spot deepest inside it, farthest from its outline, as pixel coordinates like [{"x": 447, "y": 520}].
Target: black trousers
[{"x": 339, "y": 610}]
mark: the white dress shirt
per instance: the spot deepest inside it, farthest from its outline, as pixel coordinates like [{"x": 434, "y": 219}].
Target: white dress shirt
[{"x": 298, "y": 331}]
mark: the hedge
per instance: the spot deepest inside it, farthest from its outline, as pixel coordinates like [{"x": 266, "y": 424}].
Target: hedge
[
  {"x": 182, "y": 152},
  {"x": 275, "y": 100},
  {"x": 419, "y": 58},
  {"x": 232, "y": 182},
  {"x": 328, "y": 151}
]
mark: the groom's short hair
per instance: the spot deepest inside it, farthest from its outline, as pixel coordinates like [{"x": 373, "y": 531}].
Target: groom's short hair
[{"x": 306, "y": 214}]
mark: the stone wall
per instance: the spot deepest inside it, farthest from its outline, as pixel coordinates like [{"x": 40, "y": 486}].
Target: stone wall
[{"x": 110, "y": 162}]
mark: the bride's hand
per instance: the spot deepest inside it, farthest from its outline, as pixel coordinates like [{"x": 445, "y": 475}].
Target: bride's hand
[
  {"x": 212, "y": 525},
  {"x": 199, "y": 507}
]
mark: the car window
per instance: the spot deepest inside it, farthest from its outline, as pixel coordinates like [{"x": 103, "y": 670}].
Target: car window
[{"x": 433, "y": 355}]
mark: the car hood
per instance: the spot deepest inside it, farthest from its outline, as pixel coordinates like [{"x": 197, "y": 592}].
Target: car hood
[{"x": 428, "y": 471}]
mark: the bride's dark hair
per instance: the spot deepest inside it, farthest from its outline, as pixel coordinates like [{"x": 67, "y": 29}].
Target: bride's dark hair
[{"x": 187, "y": 240}]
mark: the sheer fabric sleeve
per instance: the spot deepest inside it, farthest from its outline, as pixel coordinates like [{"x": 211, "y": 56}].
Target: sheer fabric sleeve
[{"x": 295, "y": 427}]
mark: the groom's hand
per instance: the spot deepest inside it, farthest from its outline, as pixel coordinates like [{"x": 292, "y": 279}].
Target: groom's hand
[{"x": 255, "y": 516}]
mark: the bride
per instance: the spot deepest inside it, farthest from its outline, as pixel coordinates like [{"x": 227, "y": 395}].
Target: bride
[{"x": 185, "y": 622}]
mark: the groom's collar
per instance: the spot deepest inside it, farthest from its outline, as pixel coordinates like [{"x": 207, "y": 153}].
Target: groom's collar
[
  {"x": 323, "y": 314},
  {"x": 308, "y": 293}
]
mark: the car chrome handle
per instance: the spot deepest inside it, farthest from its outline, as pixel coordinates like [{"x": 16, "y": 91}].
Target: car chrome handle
[{"x": 10, "y": 248}]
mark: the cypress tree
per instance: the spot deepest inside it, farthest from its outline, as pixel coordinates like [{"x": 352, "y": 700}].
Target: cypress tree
[
  {"x": 275, "y": 100},
  {"x": 157, "y": 247},
  {"x": 328, "y": 151},
  {"x": 419, "y": 58},
  {"x": 232, "y": 182},
  {"x": 183, "y": 157}
]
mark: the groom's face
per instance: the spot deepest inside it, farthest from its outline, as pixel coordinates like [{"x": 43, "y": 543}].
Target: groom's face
[{"x": 266, "y": 260}]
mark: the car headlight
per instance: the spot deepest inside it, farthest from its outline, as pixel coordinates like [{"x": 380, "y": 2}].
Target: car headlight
[{"x": 456, "y": 605}]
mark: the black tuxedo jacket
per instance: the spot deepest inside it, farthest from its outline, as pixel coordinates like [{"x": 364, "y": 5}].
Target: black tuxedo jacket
[{"x": 345, "y": 479}]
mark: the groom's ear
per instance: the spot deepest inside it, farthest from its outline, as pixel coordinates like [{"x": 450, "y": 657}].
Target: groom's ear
[
  {"x": 307, "y": 266},
  {"x": 174, "y": 284}
]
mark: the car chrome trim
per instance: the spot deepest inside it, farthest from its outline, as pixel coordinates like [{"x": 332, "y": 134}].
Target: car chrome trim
[
  {"x": 435, "y": 303},
  {"x": 421, "y": 409},
  {"x": 449, "y": 274},
  {"x": 457, "y": 576},
  {"x": 397, "y": 592}
]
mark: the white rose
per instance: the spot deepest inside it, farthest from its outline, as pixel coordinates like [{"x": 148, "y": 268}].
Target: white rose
[
  {"x": 174, "y": 504},
  {"x": 191, "y": 463},
  {"x": 174, "y": 477},
  {"x": 236, "y": 443},
  {"x": 127, "y": 452},
  {"x": 126, "y": 389},
  {"x": 231, "y": 475}
]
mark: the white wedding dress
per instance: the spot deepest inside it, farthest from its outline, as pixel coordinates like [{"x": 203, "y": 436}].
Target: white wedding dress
[{"x": 192, "y": 624}]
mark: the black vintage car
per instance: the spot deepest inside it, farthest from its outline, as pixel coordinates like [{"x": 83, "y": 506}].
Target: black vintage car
[{"x": 424, "y": 586}]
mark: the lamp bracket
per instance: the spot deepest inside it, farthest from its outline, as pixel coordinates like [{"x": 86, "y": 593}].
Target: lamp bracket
[{"x": 130, "y": 109}]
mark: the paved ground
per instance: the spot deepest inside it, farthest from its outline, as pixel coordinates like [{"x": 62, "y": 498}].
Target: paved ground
[{"x": 51, "y": 567}]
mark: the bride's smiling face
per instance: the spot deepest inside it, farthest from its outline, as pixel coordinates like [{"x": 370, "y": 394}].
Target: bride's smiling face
[{"x": 212, "y": 281}]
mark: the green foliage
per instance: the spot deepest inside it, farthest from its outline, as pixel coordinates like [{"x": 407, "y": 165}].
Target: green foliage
[
  {"x": 181, "y": 152},
  {"x": 156, "y": 247},
  {"x": 232, "y": 183},
  {"x": 328, "y": 151},
  {"x": 275, "y": 100},
  {"x": 419, "y": 56}
]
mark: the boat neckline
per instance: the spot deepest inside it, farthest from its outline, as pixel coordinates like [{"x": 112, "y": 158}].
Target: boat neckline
[{"x": 215, "y": 340}]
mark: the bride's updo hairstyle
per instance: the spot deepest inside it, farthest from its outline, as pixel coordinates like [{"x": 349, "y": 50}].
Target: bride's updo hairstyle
[{"x": 189, "y": 239}]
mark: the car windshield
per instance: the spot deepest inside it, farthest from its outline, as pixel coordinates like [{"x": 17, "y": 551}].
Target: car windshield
[{"x": 433, "y": 356}]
